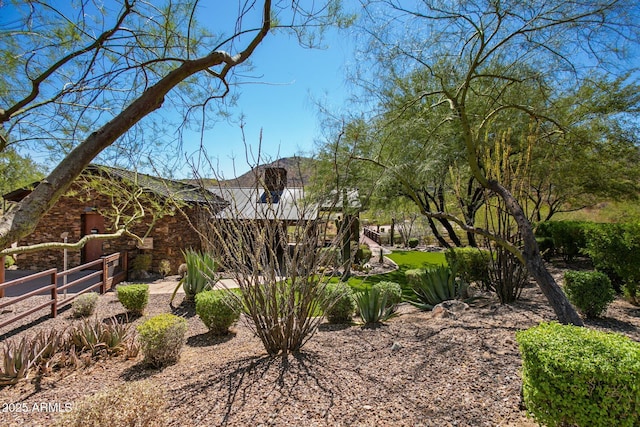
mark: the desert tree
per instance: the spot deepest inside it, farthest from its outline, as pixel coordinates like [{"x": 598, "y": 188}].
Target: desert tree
[
  {"x": 78, "y": 79},
  {"x": 479, "y": 54}
]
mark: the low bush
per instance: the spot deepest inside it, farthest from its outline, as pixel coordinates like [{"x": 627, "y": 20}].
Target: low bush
[
  {"x": 134, "y": 298},
  {"x": 579, "y": 376},
  {"x": 391, "y": 290},
  {"x": 161, "y": 339},
  {"x": 363, "y": 254},
  {"x": 615, "y": 250},
  {"x": 472, "y": 264},
  {"x": 340, "y": 303},
  {"x": 413, "y": 242},
  {"x": 139, "y": 403},
  {"x": 373, "y": 306},
  {"x": 84, "y": 305},
  {"x": 545, "y": 244},
  {"x": 434, "y": 285},
  {"x": 568, "y": 237},
  {"x": 218, "y": 310},
  {"x": 141, "y": 262},
  {"x": 9, "y": 261},
  {"x": 590, "y": 291},
  {"x": 164, "y": 268}
]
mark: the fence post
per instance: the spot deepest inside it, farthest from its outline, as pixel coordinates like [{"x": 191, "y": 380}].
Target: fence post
[
  {"x": 105, "y": 275},
  {"x": 125, "y": 264},
  {"x": 2, "y": 275},
  {"x": 54, "y": 294}
]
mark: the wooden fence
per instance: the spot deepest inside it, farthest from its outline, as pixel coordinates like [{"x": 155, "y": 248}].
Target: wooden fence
[
  {"x": 372, "y": 234},
  {"x": 111, "y": 269}
]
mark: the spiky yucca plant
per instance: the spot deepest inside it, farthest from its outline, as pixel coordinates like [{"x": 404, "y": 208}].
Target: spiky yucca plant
[{"x": 201, "y": 268}]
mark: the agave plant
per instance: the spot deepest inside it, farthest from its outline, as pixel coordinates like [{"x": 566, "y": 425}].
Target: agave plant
[
  {"x": 200, "y": 275},
  {"x": 373, "y": 306},
  {"x": 18, "y": 359},
  {"x": 434, "y": 285}
]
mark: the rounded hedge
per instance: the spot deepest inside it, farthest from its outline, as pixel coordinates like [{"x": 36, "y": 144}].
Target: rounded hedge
[
  {"x": 84, "y": 305},
  {"x": 579, "y": 376},
  {"x": 392, "y": 290},
  {"x": 590, "y": 291},
  {"x": 133, "y": 297},
  {"x": 341, "y": 303},
  {"x": 218, "y": 310},
  {"x": 161, "y": 339}
]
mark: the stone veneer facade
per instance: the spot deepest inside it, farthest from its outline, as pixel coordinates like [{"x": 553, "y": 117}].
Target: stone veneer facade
[{"x": 171, "y": 234}]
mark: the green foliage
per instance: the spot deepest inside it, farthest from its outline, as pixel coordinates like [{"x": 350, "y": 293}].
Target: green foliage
[
  {"x": 161, "y": 338},
  {"x": 200, "y": 276},
  {"x": 9, "y": 261},
  {"x": 329, "y": 256},
  {"x": 414, "y": 242},
  {"x": 139, "y": 403},
  {"x": 590, "y": 291},
  {"x": 363, "y": 254},
  {"x": 133, "y": 297},
  {"x": 373, "y": 306},
  {"x": 99, "y": 338},
  {"x": 545, "y": 244},
  {"x": 435, "y": 284},
  {"x": 391, "y": 290},
  {"x": 142, "y": 262},
  {"x": 567, "y": 237},
  {"x": 340, "y": 303},
  {"x": 417, "y": 259},
  {"x": 164, "y": 268},
  {"x": 472, "y": 264},
  {"x": 218, "y": 310},
  {"x": 84, "y": 305},
  {"x": 578, "y": 376},
  {"x": 616, "y": 248},
  {"x": 17, "y": 171}
]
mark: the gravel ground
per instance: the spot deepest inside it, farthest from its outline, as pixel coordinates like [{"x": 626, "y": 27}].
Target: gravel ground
[{"x": 415, "y": 370}]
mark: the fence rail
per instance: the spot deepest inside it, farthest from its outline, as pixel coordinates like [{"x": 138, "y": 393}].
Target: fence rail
[
  {"x": 372, "y": 234},
  {"x": 111, "y": 270}
]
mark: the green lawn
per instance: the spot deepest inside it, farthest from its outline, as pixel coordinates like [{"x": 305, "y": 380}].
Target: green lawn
[{"x": 406, "y": 260}]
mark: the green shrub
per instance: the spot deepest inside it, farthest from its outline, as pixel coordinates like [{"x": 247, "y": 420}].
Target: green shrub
[
  {"x": 545, "y": 244},
  {"x": 472, "y": 264},
  {"x": 363, "y": 254},
  {"x": 434, "y": 285},
  {"x": 340, "y": 301},
  {"x": 568, "y": 237},
  {"x": 329, "y": 256},
  {"x": 631, "y": 292},
  {"x": 164, "y": 268},
  {"x": 590, "y": 291},
  {"x": 133, "y": 297},
  {"x": 391, "y": 290},
  {"x": 142, "y": 262},
  {"x": 373, "y": 306},
  {"x": 8, "y": 261},
  {"x": 161, "y": 339},
  {"x": 578, "y": 376},
  {"x": 413, "y": 242},
  {"x": 84, "y": 305},
  {"x": 218, "y": 310},
  {"x": 615, "y": 248},
  {"x": 139, "y": 403}
]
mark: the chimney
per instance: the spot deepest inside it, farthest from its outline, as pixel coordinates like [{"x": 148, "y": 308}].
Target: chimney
[{"x": 275, "y": 179}]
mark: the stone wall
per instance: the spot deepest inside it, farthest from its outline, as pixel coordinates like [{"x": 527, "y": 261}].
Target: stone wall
[{"x": 170, "y": 234}]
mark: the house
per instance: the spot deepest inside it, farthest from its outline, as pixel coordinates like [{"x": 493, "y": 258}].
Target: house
[{"x": 166, "y": 212}]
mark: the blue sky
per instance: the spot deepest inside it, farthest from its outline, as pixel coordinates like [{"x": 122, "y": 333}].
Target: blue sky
[{"x": 282, "y": 102}]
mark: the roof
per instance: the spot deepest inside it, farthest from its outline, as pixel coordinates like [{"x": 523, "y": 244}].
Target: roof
[
  {"x": 166, "y": 188},
  {"x": 258, "y": 203},
  {"x": 334, "y": 200}
]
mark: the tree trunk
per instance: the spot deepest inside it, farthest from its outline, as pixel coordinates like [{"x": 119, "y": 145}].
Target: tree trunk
[{"x": 533, "y": 260}]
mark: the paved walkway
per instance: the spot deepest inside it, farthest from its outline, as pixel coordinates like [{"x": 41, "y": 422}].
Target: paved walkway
[
  {"x": 375, "y": 248},
  {"x": 168, "y": 284}
]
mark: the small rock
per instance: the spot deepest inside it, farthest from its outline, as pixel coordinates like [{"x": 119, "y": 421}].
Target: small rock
[{"x": 396, "y": 346}]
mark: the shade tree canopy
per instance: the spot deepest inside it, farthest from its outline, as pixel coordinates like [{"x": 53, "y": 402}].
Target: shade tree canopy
[{"x": 99, "y": 78}]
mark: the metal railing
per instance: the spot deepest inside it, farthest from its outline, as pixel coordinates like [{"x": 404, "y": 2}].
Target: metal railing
[{"x": 107, "y": 271}]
